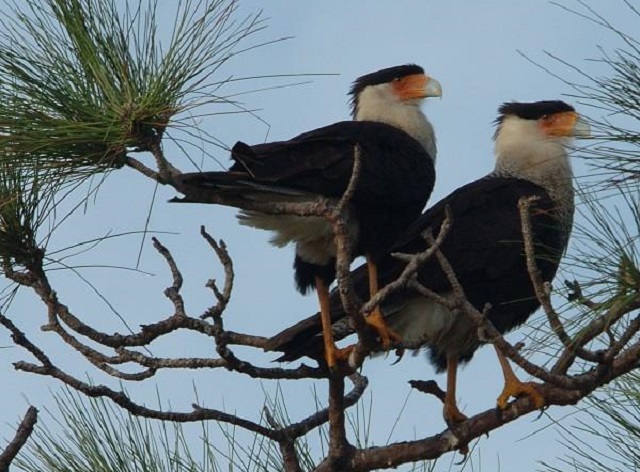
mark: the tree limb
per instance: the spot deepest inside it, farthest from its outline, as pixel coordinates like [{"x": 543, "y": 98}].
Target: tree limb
[{"x": 19, "y": 439}]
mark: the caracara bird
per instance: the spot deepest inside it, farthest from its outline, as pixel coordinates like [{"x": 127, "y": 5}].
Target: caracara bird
[
  {"x": 485, "y": 247},
  {"x": 397, "y": 150}
]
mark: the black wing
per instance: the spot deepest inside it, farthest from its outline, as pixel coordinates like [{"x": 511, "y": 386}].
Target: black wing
[
  {"x": 394, "y": 165},
  {"x": 485, "y": 242},
  {"x": 484, "y": 247}
]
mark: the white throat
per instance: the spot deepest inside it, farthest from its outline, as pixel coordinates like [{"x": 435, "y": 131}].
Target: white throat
[
  {"x": 524, "y": 151},
  {"x": 378, "y": 103}
]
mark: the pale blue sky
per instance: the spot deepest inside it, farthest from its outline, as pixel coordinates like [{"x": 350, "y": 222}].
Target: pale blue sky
[{"x": 471, "y": 47}]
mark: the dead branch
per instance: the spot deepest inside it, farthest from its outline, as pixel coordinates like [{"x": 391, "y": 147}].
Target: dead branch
[
  {"x": 165, "y": 168},
  {"x": 429, "y": 387},
  {"x": 63, "y": 322},
  {"x": 353, "y": 180},
  {"x": 290, "y": 461},
  {"x": 558, "y": 388},
  {"x": 229, "y": 275},
  {"x": 19, "y": 439},
  {"x": 349, "y": 301},
  {"x": 302, "y": 427},
  {"x": 138, "y": 166},
  {"x": 338, "y": 443},
  {"x": 542, "y": 288},
  {"x": 486, "y": 330},
  {"x": 121, "y": 399},
  {"x": 594, "y": 329},
  {"x": 395, "y": 454},
  {"x": 414, "y": 262}
]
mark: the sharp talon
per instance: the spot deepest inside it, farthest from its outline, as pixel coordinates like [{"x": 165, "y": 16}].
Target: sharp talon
[
  {"x": 387, "y": 336},
  {"x": 399, "y": 354},
  {"x": 541, "y": 412},
  {"x": 340, "y": 358},
  {"x": 515, "y": 388},
  {"x": 453, "y": 416},
  {"x": 518, "y": 389},
  {"x": 464, "y": 450},
  {"x": 336, "y": 356},
  {"x": 343, "y": 354}
]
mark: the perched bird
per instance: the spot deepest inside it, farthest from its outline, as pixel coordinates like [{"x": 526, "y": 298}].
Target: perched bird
[
  {"x": 484, "y": 246},
  {"x": 397, "y": 150}
]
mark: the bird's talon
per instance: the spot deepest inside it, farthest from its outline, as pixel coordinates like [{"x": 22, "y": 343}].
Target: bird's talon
[
  {"x": 340, "y": 360},
  {"x": 464, "y": 450},
  {"x": 399, "y": 355},
  {"x": 453, "y": 416},
  {"x": 519, "y": 389},
  {"x": 387, "y": 336}
]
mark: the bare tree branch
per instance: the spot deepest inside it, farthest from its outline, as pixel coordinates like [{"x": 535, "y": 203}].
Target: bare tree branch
[
  {"x": 20, "y": 438},
  {"x": 543, "y": 288}
]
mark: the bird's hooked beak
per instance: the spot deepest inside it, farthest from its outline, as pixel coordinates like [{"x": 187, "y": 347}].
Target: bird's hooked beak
[
  {"x": 417, "y": 86},
  {"x": 582, "y": 129},
  {"x": 567, "y": 124},
  {"x": 433, "y": 88}
]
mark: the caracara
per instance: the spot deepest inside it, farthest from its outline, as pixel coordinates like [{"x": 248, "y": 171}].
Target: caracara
[
  {"x": 485, "y": 247},
  {"x": 397, "y": 149}
]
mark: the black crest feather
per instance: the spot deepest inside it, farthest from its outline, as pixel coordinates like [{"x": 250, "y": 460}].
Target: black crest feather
[{"x": 381, "y": 76}]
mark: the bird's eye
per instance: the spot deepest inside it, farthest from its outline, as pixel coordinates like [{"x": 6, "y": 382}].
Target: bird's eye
[
  {"x": 544, "y": 117},
  {"x": 396, "y": 79}
]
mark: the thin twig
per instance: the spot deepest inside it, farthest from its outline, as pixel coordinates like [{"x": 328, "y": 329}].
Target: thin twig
[
  {"x": 347, "y": 196},
  {"x": 593, "y": 330},
  {"x": 541, "y": 288},
  {"x": 229, "y": 276},
  {"x": 140, "y": 167},
  {"x": 430, "y": 387},
  {"x": 120, "y": 398},
  {"x": 414, "y": 262},
  {"x": 302, "y": 427}
]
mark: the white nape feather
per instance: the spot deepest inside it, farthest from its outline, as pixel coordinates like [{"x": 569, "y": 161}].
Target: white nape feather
[
  {"x": 380, "y": 103},
  {"x": 523, "y": 150}
]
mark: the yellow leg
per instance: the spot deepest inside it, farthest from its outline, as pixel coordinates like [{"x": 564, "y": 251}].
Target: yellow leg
[
  {"x": 514, "y": 387},
  {"x": 451, "y": 413},
  {"x": 375, "y": 318},
  {"x": 373, "y": 277},
  {"x": 331, "y": 353}
]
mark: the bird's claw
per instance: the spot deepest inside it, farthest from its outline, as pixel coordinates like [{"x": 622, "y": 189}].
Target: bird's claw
[
  {"x": 338, "y": 358},
  {"x": 453, "y": 416},
  {"x": 519, "y": 389},
  {"x": 399, "y": 355},
  {"x": 387, "y": 336}
]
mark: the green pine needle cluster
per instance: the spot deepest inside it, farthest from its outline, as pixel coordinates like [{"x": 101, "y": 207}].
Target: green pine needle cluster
[
  {"x": 83, "y": 434},
  {"x": 82, "y": 82},
  {"x": 614, "y": 93},
  {"x": 96, "y": 435},
  {"x": 24, "y": 207},
  {"x": 608, "y": 440}
]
